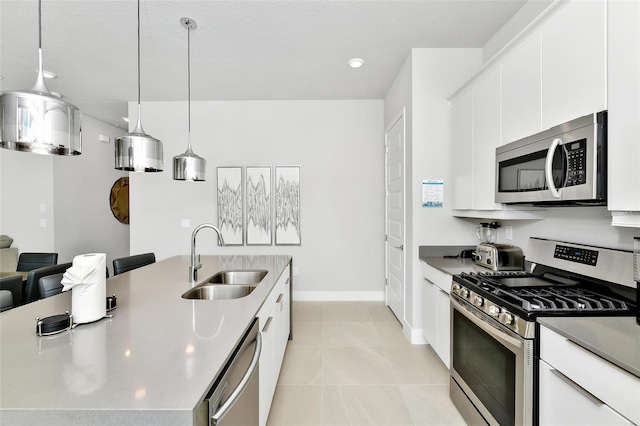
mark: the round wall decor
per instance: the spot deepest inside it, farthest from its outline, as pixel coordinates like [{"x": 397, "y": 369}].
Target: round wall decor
[{"x": 119, "y": 200}]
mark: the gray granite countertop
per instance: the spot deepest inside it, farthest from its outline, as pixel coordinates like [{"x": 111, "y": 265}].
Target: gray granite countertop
[
  {"x": 616, "y": 339},
  {"x": 435, "y": 256},
  {"x": 149, "y": 364}
]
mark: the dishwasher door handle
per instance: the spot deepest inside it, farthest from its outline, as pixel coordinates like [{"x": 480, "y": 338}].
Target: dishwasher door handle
[{"x": 226, "y": 406}]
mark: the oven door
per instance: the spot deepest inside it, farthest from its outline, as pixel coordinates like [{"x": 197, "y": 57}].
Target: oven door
[{"x": 491, "y": 368}]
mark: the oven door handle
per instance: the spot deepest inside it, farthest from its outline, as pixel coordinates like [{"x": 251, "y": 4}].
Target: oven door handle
[{"x": 494, "y": 332}]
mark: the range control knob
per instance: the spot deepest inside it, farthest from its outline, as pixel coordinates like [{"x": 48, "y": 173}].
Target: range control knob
[
  {"x": 489, "y": 261},
  {"x": 464, "y": 292},
  {"x": 494, "y": 311},
  {"x": 508, "y": 318},
  {"x": 478, "y": 300},
  {"x": 455, "y": 288}
]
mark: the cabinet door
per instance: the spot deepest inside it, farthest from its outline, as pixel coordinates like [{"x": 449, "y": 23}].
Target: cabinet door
[
  {"x": 624, "y": 106},
  {"x": 563, "y": 402},
  {"x": 430, "y": 313},
  {"x": 279, "y": 338},
  {"x": 266, "y": 370},
  {"x": 461, "y": 152},
  {"x": 574, "y": 62},
  {"x": 444, "y": 327},
  {"x": 287, "y": 307},
  {"x": 486, "y": 125},
  {"x": 522, "y": 91}
]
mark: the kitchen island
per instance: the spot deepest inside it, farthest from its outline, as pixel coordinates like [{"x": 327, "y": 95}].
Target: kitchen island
[{"x": 151, "y": 364}]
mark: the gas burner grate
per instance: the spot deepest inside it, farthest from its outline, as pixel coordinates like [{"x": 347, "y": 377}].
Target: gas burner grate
[{"x": 566, "y": 299}]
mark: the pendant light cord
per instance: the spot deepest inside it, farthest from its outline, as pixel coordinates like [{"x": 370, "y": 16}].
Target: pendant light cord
[
  {"x": 189, "y": 73},
  {"x": 39, "y": 24},
  {"x": 138, "y": 53}
]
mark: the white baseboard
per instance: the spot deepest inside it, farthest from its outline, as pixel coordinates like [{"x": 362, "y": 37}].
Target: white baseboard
[
  {"x": 338, "y": 296},
  {"x": 414, "y": 335}
]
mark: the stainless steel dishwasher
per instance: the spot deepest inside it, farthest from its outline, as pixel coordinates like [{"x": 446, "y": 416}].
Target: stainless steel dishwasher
[{"x": 233, "y": 398}]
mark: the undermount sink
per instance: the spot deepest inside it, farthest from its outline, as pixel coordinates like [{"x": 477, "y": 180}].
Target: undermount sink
[
  {"x": 238, "y": 277},
  {"x": 227, "y": 285},
  {"x": 218, "y": 291}
]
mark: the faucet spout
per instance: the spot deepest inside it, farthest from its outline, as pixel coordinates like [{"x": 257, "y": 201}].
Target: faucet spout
[{"x": 195, "y": 261}]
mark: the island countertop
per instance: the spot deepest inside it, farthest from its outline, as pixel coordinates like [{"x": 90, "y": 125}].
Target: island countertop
[{"x": 151, "y": 363}]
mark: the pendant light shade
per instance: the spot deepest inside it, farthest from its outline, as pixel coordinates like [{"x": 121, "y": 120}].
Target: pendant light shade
[
  {"x": 38, "y": 121},
  {"x": 188, "y": 165},
  {"x": 136, "y": 151}
]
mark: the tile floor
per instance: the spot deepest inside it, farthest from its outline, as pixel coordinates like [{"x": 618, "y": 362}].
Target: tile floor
[{"x": 350, "y": 364}]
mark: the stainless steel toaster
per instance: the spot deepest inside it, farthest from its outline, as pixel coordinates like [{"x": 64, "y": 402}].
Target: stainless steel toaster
[{"x": 499, "y": 257}]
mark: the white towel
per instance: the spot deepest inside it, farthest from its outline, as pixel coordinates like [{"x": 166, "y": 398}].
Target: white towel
[{"x": 87, "y": 279}]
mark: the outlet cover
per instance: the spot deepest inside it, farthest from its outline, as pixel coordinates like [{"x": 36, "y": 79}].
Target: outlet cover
[
  {"x": 296, "y": 271},
  {"x": 508, "y": 232}
]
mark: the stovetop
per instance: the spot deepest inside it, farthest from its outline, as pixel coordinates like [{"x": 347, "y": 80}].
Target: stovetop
[{"x": 528, "y": 295}]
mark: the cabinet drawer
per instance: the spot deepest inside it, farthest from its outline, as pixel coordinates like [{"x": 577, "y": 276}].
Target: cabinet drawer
[
  {"x": 436, "y": 276},
  {"x": 615, "y": 387},
  {"x": 563, "y": 402}
]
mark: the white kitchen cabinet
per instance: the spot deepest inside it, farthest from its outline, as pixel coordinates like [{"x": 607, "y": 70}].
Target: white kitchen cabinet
[
  {"x": 436, "y": 311},
  {"x": 487, "y": 136},
  {"x": 624, "y": 113},
  {"x": 462, "y": 152},
  {"x": 522, "y": 91},
  {"x": 564, "y": 403},
  {"x": 581, "y": 388},
  {"x": 274, "y": 319},
  {"x": 574, "y": 62}
]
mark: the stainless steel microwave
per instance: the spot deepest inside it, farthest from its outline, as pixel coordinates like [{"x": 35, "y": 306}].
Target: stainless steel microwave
[{"x": 564, "y": 165}]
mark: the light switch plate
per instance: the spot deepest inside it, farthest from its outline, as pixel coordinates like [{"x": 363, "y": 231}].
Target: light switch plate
[
  {"x": 508, "y": 232},
  {"x": 185, "y": 223},
  {"x": 296, "y": 271}
]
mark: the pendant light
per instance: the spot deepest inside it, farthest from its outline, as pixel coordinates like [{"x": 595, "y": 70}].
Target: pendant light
[
  {"x": 136, "y": 151},
  {"x": 188, "y": 165},
  {"x": 38, "y": 121}
]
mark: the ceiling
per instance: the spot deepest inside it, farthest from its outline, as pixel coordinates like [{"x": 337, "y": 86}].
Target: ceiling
[{"x": 241, "y": 50}]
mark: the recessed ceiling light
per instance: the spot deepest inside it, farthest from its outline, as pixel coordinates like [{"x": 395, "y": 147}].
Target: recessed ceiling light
[
  {"x": 126, "y": 119},
  {"x": 48, "y": 74},
  {"x": 356, "y": 62},
  {"x": 1, "y": 77}
]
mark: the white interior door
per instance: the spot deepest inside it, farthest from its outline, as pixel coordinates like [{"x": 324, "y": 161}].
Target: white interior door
[{"x": 394, "y": 217}]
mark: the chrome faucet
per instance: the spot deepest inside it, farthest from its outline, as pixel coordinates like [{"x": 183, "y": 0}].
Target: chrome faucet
[{"x": 193, "y": 269}]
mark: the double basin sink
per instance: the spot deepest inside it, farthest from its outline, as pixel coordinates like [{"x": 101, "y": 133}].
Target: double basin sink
[{"x": 227, "y": 285}]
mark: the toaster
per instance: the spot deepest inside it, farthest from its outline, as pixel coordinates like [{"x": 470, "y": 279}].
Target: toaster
[{"x": 499, "y": 257}]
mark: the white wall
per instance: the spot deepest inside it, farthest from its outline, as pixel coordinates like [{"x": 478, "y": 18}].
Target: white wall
[
  {"x": 585, "y": 225},
  {"x": 26, "y": 184},
  {"x": 339, "y": 146},
  {"x": 74, "y": 192},
  {"x": 82, "y": 186}
]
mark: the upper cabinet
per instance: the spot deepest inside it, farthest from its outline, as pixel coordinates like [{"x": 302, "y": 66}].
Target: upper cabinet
[
  {"x": 553, "y": 72},
  {"x": 487, "y": 132},
  {"x": 521, "y": 91},
  {"x": 574, "y": 62},
  {"x": 624, "y": 112},
  {"x": 461, "y": 133}
]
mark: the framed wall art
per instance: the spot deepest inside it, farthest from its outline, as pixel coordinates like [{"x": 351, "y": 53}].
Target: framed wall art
[
  {"x": 230, "y": 205},
  {"x": 258, "y": 205},
  {"x": 287, "y": 200}
]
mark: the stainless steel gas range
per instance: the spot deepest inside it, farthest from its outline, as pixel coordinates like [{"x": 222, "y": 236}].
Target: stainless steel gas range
[{"x": 494, "y": 344}]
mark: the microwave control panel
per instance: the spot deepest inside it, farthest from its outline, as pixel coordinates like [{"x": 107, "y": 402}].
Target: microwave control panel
[
  {"x": 578, "y": 255},
  {"x": 576, "y": 162}
]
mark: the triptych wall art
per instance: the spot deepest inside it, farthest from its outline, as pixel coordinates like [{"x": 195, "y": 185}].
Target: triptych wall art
[{"x": 256, "y": 206}]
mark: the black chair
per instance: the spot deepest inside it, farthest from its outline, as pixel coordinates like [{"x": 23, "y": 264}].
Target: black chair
[
  {"x": 32, "y": 288},
  {"x": 50, "y": 285},
  {"x": 126, "y": 264},
  {"x": 30, "y": 261},
  {"x": 13, "y": 284},
  {"x": 6, "y": 300}
]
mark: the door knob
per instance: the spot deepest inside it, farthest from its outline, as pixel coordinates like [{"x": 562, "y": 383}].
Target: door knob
[{"x": 400, "y": 247}]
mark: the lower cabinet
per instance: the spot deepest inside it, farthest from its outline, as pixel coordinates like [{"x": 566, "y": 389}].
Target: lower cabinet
[
  {"x": 436, "y": 312},
  {"x": 275, "y": 325},
  {"x": 578, "y": 387}
]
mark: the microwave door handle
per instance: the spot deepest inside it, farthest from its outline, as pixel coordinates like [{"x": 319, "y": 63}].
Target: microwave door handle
[{"x": 548, "y": 167}]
